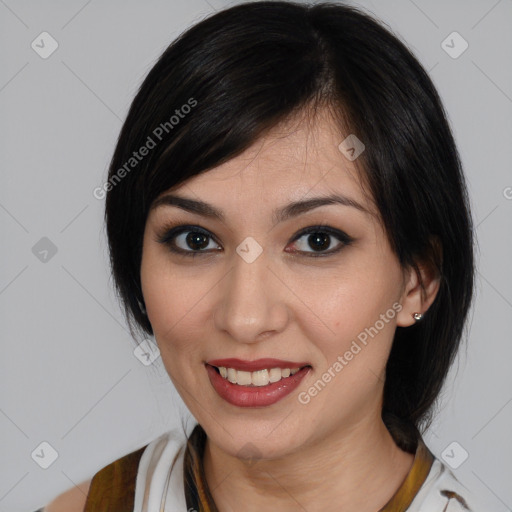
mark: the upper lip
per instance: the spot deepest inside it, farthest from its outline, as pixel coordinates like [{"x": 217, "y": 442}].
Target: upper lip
[{"x": 257, "y": 364}]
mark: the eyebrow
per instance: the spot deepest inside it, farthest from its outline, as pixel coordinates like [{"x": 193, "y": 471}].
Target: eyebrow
[{"x": 291, "y": 210}]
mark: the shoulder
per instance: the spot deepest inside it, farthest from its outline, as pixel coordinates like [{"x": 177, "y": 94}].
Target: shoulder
[
  {"x": 123, "y": 481},
  {"x": 117, "y": 478},
  {"x": 443, "y": 492},
  {"x": 72, "y": 500}
]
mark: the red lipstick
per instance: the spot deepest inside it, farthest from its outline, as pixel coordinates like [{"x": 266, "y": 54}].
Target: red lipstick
[
  {"x": 255, "y": 396},
  {"x": 254, "y": 366}
]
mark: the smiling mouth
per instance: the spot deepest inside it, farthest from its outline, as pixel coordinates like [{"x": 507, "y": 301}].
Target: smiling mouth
[{"x": 257, "y": 378}]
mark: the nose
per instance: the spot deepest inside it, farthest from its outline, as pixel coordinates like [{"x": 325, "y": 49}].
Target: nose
[{"x": 252, "y": 301}]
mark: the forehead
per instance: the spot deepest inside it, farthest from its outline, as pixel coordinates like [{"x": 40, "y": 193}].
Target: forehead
[{"x": 296, "y": 159}]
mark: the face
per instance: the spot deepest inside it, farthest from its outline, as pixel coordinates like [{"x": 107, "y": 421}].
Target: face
[{"x": 234, "y": 276}]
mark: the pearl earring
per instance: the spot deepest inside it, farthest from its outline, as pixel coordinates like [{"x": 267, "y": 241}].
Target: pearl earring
[{"x": 417, "y": 316}]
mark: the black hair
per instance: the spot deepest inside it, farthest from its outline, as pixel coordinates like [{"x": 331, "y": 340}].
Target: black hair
[{"x": 233, "y": 76}]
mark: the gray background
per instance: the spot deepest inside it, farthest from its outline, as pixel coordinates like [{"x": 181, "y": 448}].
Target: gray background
[{"x": 68, "y": 372}]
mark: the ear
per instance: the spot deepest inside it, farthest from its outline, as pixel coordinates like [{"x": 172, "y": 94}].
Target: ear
[{"x": 421, "y": 287}]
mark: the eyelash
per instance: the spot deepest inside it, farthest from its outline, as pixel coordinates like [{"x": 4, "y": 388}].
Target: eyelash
[{"x": 170, "y": 233}]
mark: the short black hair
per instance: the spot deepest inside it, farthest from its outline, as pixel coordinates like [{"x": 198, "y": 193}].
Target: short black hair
[{"x": 233, "y": 76}]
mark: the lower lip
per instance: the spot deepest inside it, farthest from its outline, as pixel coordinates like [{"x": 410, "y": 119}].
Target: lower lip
[{"x": 254, "y": 396}]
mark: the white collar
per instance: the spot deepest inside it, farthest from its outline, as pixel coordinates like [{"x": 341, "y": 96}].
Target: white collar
[{"x": 160, "y": 474}]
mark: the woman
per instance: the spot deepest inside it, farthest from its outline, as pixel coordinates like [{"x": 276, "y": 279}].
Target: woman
[{"x": 287, "y": 215}]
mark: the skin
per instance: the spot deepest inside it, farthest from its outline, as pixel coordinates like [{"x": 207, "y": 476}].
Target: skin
[
  {"x": 73, "y": 500},
  {"x": 286, "y": 305}
]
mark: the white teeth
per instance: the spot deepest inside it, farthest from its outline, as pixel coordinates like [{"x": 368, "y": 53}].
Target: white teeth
[
  {"x": 260, "y": 378},
  {"x": 243, "y": 378},
  {"x": 275, "y": 374},
  {"x": 232, "y": 375},
  {"x": 257, "y": 378}
]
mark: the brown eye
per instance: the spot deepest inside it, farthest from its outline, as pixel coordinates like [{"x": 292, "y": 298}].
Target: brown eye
[
  {"x": 322, "y": 240},
  {"x": 195, "y": 240},
  {"x": 189, "y": 240}
]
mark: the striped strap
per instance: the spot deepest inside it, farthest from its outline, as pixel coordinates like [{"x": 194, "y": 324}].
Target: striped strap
[{"x": 416, "y": 477}]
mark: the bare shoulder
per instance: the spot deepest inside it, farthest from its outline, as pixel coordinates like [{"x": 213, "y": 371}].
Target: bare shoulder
[{"x": 72, "y": 500}]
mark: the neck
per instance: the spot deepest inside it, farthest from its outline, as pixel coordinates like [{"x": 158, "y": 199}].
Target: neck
[{"x": 358, "y": 470}]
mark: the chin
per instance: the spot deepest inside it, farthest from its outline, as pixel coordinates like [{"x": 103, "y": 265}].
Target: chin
[{"x": 246, "y": 440}]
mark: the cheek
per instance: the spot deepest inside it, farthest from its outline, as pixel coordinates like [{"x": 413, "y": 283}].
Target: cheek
[
  {"x": 174, "y": 308},
  {"x": 177, "y": 306},
  {"x": 352, "y": 344},
  {"x": 348, "y": 301},
  {"x": 351, "y": 322}
]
